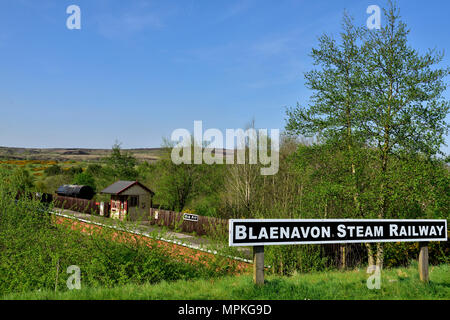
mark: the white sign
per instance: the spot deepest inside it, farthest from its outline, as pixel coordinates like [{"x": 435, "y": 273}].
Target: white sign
[
  {"x": 190, "y": 217},
  {"x": 260, "y": 232}
]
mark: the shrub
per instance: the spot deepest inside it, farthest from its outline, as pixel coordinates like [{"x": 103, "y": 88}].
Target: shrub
[
  {"x": 53, "y": 170},
  {"x": 401, "y": 253},
  {"x": 84, "y": 179},
  {"x": 35, "y": 252}
]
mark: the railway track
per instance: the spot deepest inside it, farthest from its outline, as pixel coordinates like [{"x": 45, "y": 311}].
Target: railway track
[{"x": 173, "y": 242}]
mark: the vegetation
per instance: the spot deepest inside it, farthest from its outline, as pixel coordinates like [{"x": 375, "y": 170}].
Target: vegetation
[
  {"x": 366, "y": 146},
  {"x": 35, "y": 252},
  {"x": 374, "y": 92},
  {"x": 397, "y": 284}
]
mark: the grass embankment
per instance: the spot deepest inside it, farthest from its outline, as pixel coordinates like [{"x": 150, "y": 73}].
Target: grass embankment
[{"x": 399, "y": 283}]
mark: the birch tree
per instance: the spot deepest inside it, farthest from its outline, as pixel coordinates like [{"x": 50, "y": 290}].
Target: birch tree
[
  {"x": 374, "y": 90},
  {"x": 404, "y": 109}
]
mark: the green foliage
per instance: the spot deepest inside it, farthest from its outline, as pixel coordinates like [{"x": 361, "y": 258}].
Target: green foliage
[
  {"x": 21, "y": 179},
  {"x": 334, "y": 111},
  {"x": 207, "y": 206},
  {"x": 380, "y": 104},
  {"x": 50, "y": 184},
  {"x": 84, "y": 179},
  {"x": 73, "y": 171},
  {"x": 94, "y": 169},
  {"x": 35, "y": 252},
  {"x": 396, "y": 284},
  {"x": 401, "y": 253},
  {"x": 182, "y": 185},
  {"x": 377, "y": 113},
  {"x": 121, "y": 164},
  {"x": 289, "y": 259},
  {"x": 53, "y": 170}
]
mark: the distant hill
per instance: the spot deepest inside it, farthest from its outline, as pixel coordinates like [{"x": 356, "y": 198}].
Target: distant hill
[
  {"x": 81, "y": 154},
  {"x": 77, "y": 154}
]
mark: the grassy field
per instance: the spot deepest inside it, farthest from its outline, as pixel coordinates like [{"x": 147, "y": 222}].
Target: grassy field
[{"x": 399, "y": 283}]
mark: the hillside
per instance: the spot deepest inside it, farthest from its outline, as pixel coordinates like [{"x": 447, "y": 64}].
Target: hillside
[{"x": 76, "y": 154}]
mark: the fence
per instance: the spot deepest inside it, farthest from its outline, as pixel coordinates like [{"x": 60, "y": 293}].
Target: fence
[
  {"x": 354, "y": 253},
  {"x": 174, "y": 220},
  {"x": 74, "y": 204}
]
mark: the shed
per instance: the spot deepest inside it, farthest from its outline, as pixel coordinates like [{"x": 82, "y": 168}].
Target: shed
[
  {"x": 76, "y": 191},
  {"x": 129, "y": 199}
]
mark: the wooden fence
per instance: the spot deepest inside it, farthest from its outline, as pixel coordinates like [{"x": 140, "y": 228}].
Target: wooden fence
[
  {"x": 174, "y": 220},
  {"x": 74, "y": 204}
]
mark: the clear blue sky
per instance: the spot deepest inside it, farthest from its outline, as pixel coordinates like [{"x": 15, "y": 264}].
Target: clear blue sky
[{"x": 139, "y": 69}]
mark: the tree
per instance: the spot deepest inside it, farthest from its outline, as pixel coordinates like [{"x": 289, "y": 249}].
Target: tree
[
  {"x": 244, "y": 180},
  {"x": 22, "y": 179},
  {"x": 334, "y": 113},
  {"x": 404, "y": 111},
  {"x": 381, "y": 94},
  {"x": 179, "y": 184},
  {"x": 121, "y": 164},
  {"x": 84, "y": 179}
]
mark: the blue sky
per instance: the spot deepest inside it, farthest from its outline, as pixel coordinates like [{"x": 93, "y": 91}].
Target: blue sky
[{"x": 139, "y": 69}]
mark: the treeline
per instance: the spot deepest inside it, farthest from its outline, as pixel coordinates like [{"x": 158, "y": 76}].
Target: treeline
[{"x": 314, "y": 181}]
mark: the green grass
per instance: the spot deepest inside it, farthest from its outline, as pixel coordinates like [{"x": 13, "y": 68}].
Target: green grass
[{"x": 399, "y": 283}]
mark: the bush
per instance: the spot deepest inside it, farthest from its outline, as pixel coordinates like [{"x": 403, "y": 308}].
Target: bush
[
  {"x": 53, "y": 170},
  {"x": 74, "y": 170},
  {"x": 401, "y": 253},
  {"x": 94, "y": 169},
  {"x": 84, "y": 179},
  {"x": 35, "y": 252},
  {"x": 289, "y": 259}
]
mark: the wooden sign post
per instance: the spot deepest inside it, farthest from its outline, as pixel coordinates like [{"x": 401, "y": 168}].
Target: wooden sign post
[
  {"x": 263, "y": 232},
  {"x": 423, "y": 262},
  {"x": 258, "y": 265}
]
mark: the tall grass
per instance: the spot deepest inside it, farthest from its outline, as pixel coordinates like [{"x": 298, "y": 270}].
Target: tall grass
[{"x": 398, "y": 284}]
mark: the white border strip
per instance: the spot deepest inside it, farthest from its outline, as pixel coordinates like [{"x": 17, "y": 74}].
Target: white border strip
[{"x": 232, "y": 221}]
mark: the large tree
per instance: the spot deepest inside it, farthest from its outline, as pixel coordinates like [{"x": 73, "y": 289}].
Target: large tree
[
  {"x": 121, "y": 164},
  {"x": 334, "y": 111},
  {"x": 404, "y": 110},
  {"x": 375, "y": 90}
]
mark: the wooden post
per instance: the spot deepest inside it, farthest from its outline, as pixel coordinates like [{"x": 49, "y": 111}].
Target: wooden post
[
  {"x": 258, "y": 265},
  {"x": 343, "y": 248},
  {"x": 423, "y": 262}
]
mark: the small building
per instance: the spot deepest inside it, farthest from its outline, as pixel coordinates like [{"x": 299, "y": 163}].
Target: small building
[
  {"x": 129, "y": 199},
  {"x": 76, "y": 191}
]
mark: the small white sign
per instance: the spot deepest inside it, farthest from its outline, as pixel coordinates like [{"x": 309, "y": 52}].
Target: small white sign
[{"x": 190, "y": 217}]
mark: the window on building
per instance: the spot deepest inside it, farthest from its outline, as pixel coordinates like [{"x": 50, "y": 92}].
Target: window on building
[{"x": 133, "y": 201}]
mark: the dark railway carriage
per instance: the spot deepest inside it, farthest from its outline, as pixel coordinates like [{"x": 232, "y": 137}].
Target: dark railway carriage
[{"x": 76, "y": 191}]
